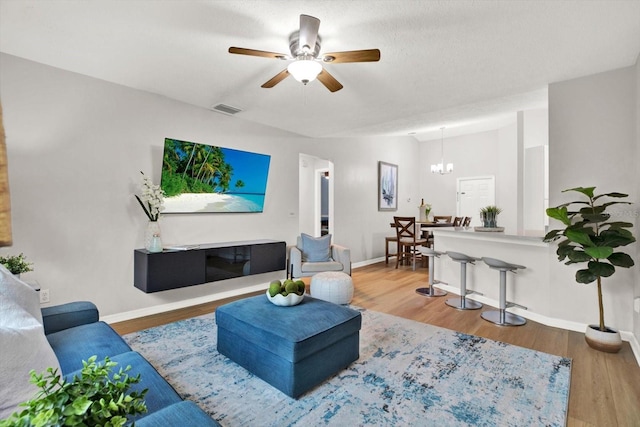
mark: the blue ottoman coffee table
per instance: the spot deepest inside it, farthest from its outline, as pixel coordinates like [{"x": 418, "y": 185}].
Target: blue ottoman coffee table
[{"x": 292, "y": 348}]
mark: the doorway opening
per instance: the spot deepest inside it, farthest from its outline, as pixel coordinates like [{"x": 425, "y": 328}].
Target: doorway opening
[
  {"x": 324, "y": 202},
  {"x": 315, "y": 196}
]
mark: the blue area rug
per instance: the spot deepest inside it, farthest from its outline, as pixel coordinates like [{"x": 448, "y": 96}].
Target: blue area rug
[{"x": 408, "y": 374}]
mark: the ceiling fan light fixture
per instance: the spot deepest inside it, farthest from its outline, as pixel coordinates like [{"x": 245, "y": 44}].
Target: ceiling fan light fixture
[{"x": 304, "y": 70}]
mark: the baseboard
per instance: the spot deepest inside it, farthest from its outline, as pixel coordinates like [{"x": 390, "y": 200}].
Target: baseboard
[
  {"x": 367, "y": 262},
  {"x": 157, "y": 309},
  {"x": 548, "y": 321}
]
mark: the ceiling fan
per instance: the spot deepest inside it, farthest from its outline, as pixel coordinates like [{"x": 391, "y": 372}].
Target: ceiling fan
[{"x": 307, "y": 62}]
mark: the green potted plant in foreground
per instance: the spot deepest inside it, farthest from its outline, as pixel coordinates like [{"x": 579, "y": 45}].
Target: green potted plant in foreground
[
  {"x": 589, "y": 236},
  {"x": 98, "y": 397},
  {"x": 16, "y": 264}
]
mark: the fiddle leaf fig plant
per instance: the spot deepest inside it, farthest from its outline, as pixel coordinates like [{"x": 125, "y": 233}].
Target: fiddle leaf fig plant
[{"x": 588, "y": 236}]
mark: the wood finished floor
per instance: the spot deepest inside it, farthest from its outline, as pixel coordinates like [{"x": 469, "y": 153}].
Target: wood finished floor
[{"x": 605, "y": 388}]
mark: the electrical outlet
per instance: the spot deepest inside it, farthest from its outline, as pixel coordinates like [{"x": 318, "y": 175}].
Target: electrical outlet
[{"x": 44, "y": 296}]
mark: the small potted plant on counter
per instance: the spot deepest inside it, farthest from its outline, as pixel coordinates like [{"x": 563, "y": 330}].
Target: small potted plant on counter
[
  {"x": 589, "y": 236},
  {"x": 16, "y": 264}
]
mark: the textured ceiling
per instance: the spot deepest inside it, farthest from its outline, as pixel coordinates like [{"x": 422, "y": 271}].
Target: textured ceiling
[{"x": 458, "y": 64}]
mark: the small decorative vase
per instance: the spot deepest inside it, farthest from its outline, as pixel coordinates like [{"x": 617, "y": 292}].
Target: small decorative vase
[
  {"x": 152, "y": 238},
  {"x": 608, "y": 341},
  {"x": 489, "y": 220}
]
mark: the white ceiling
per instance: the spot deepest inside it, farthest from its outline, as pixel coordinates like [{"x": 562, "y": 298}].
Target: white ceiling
[{"x": 458, "y": 64}]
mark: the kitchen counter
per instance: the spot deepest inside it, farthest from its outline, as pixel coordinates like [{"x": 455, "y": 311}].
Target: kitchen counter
[
  {"x": 530, "y": 287},
  {"x": 533, "y": 238}
]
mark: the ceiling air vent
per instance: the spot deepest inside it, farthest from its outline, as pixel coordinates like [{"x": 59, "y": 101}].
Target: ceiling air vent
[{"x": 226, "y": 109}]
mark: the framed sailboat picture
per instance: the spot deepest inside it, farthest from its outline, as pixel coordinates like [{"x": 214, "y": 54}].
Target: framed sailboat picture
[{"x": 387, "y": 186}]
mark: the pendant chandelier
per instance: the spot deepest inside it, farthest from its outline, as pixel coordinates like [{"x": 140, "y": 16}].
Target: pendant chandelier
[{"x": 440, "y": 168}]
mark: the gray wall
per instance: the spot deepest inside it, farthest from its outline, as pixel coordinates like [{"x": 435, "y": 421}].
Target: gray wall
[
  {"x": 76, "y": 146},
  {"x": 636, "y": 290},
  {"x": 593, "y": 142}
]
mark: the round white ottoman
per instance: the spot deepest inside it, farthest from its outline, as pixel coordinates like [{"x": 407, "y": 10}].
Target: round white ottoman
[{"x": 332, "y": 286}]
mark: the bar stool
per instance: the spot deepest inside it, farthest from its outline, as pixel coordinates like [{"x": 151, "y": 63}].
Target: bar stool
[
  {"x": 463, "y": 303},
  {"x": 431, "y": 291},
  {"x": 501, "y": 316}
]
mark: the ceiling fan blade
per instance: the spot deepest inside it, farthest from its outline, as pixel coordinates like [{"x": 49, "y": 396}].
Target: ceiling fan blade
[
  {"x": 276, "y": 79},
  {"x": 329, "y": 81},
  {"x": 368, "y": 55},
  {"x": 261, "y": 53},
  {"x": 309, "y": 26}
]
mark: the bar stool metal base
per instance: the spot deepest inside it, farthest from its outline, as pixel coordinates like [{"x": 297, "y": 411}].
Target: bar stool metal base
[
  {"x": 463, "y": 303},
  {"x": 503, "y": 318},
  {"x": 431, "y": 292}
]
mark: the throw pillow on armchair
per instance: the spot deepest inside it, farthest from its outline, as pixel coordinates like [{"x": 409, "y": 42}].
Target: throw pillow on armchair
[{"x": 316, "y": 249}]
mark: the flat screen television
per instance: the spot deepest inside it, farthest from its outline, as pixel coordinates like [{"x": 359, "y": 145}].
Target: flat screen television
[{"x": 204, "y": 178}]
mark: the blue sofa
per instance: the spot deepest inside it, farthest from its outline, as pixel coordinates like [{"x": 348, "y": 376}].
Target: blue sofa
[{"x": 75, "y": 334}]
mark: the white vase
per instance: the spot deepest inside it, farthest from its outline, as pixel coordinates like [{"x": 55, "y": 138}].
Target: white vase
[
  {"x": 608, "y": 341},
  {"x": 153, "y": 237}
]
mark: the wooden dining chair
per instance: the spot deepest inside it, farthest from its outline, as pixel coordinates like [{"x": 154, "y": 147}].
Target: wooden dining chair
[
  {"x": 408, "y": 241},
  {"x": 467, "y": 221},
  {"x": 442, "y": 218},
  {"x": 457, "y": 221}
]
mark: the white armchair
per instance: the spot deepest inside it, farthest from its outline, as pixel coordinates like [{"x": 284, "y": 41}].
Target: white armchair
[{"x": 315, "y": 255}]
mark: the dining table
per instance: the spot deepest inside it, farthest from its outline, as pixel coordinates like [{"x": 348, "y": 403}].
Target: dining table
[{"x": 427, "y": 224}]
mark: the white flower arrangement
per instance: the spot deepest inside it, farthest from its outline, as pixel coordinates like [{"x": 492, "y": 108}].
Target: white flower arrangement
[{"x": 153, "y": 196}]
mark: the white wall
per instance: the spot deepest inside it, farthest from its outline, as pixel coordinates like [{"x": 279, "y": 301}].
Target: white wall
[
  {"x": 358, "y": 224},
  {"x": 636, "y": 291},
  {"x": 508, "y": 179},
  {"x": 76, "y": 146},
  {"x": 536, "y": 171},
  {"x": 471, "y": 155},
  {"x": 479, "y": 154},
  {"x": 593, "y": 142}
]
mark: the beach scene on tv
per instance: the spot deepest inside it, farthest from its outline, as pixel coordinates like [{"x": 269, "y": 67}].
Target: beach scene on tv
[{"x": 204, "y": 178}]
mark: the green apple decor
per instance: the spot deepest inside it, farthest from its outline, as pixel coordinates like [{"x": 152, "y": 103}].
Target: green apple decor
[
  {"x": 589, "y": 236},
  {"x": 286, "y": 293}
]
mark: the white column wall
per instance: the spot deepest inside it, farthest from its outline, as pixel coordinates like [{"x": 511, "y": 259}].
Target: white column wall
[
  {"x": 636, "y": 290},
  {"x": 593, "y": 142}
]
